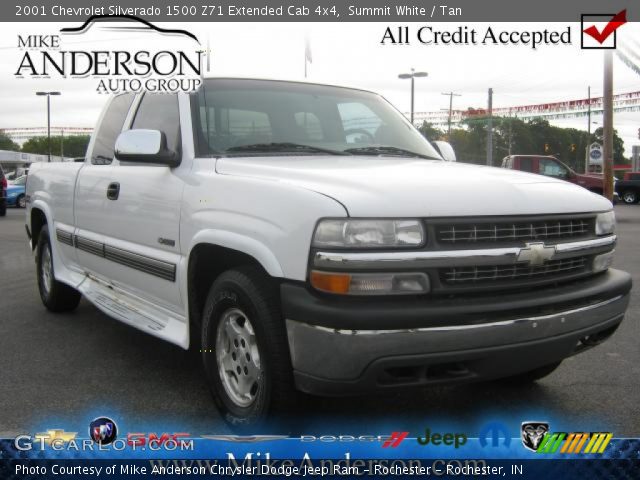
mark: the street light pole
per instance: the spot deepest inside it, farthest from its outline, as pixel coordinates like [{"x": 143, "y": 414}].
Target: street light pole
[
  {"x": 48, "y": 95},
  {"x": 412, "y": 76}
]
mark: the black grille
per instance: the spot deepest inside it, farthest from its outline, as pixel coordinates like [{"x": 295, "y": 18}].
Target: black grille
[
  {"x": 511, "y": 231},
  {"x": 497, "y": 273}
]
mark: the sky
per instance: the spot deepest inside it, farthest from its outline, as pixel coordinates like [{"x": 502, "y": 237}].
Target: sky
[{"x": 348, "y": 54}]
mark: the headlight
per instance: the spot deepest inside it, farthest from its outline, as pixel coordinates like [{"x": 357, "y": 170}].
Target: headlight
[
  {"x": 348, "y": 233},
  {"x": 605, "y": 223}
]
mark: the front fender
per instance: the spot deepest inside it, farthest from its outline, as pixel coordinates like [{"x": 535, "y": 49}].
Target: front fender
[{"x": 241, "y": 243}]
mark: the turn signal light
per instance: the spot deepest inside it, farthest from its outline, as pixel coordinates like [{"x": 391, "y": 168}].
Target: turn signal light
[
  {"x": 370, "y": 283},
  {"x": 331, "y": 282}
]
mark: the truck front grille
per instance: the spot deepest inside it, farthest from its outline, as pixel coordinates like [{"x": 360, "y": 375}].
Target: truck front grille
[
  {"x": 497, "y": 273},
  {"x": 556, "y": 230}
]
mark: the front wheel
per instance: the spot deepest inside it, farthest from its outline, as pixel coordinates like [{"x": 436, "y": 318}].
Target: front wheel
[
  {"x": 244, "y": 348},
  {"x": 55, "y": 295},
  {"x": 629, "y": 197},
  {"x": 21, "y": 202}
]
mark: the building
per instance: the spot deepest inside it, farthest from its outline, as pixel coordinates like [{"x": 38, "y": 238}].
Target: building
[
  {"x": 21, "y": 135},
  {"x": 18, "y": 161}
]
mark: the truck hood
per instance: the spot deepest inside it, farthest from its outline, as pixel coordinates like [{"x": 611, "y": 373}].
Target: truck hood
[{"x": 407, "y": 187}]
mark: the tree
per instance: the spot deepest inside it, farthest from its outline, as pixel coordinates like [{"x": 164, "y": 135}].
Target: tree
[
  {"x": 430, "y": 132},
  {"x": 72, "y": 146},
  {"x": 530, "y": 137},
  {"x": 7, "y": 144},
  {"x": 618, "y": 145}
]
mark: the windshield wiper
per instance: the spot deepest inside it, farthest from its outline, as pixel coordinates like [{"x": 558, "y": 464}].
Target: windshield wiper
[
  {"x": 387, "y": 150},
  {"x": 283, "y": 147}
]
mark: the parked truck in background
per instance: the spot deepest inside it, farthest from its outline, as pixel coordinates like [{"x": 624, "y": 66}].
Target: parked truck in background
[
  {"x": 550, "y": 166},
  {"x": 304, "y": 238},
  {"x": 628, "y": 189}
]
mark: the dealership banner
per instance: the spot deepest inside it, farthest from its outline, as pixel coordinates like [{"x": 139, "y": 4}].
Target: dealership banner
[{"x": 103, "y": 448}]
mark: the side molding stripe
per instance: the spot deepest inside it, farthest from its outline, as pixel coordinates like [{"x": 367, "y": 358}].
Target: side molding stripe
[{"x": 152, "y": 266}]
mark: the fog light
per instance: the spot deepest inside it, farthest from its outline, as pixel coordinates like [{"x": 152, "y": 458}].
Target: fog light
[
  {"x": 370, "y": 283},
  {"x": 603, "y": 262}
]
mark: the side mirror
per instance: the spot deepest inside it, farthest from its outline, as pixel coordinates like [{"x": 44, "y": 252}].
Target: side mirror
[
  {"x": 145, "y": 146},
  {"x": 446, "y": 150}
]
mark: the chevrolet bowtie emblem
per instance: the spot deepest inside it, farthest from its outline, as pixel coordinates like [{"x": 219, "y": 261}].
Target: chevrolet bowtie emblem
[
  {"x": 50, "y": 435},
  {"x": 536, "y": 254}
]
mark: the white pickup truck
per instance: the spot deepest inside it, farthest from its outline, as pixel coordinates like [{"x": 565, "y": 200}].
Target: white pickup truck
[{"x": 306, "y": 238}]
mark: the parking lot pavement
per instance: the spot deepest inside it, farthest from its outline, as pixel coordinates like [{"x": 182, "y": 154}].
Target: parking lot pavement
[{"x": 59, "y": 368}]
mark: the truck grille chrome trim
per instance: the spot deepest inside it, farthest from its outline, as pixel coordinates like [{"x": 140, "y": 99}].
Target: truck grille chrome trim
[
  {"x": 557, "y": 229},
  {"x": 448, "y": 258},
  {"x": 519, "y": 271}
]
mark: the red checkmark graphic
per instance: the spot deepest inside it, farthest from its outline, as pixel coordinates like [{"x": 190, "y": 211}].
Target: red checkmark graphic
[{"x": 616, "y": 22}]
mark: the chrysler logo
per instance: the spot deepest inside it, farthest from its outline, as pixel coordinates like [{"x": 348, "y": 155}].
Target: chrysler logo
[{"x": 536, "y": 254}]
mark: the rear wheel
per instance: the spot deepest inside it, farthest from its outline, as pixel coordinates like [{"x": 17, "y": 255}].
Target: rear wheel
[
  {"x": 244, "y": 348},
  {"x": 629, "y": 197},
  {"x": 532, "y": 375},
  {"x": 55, "y": 295},
  {"x": 21, "y": 202},
  {"x": 3, "y": 208}
]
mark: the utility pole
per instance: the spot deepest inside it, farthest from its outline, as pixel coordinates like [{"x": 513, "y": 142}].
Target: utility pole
[
  {"x": 510, "y": 132},
  {"x": 607, "y": 125},
  {"x": 451, "y": 95},
  {"x": 490, "y": 128},
  {"x": 588, "y": 149}
]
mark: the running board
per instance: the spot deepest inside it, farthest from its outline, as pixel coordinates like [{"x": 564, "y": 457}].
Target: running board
[{"x": 136, "y": 312}]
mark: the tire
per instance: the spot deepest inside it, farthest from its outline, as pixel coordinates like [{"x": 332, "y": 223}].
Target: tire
[
  {"x": 3, "y": 208},
  {"x": 55, "y": 295},
  {"x": 532, "y": 375},
  {"x": 630, "y": 197},
  {"x": 244, "y": 338},
  {"x": 21, "y": 202}
]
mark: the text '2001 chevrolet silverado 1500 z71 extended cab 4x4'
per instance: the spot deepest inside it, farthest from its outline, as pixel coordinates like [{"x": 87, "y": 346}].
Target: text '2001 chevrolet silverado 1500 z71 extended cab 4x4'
[{"x": 306, "y": 236}]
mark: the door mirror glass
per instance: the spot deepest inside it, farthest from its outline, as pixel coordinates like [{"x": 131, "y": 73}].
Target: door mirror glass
[
  {"x": 145, "y": 146},
  {"x": 446, "y": 150}
]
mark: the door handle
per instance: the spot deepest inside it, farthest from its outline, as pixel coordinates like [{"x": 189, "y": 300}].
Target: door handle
[{"x": 113, "y": 190}]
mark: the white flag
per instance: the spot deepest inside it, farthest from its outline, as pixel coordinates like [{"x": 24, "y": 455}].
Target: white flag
[{"x": 307, "y": 50}]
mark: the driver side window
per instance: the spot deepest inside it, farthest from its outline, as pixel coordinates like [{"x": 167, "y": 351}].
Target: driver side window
[
  {"x": 360, "y": 124},
  {"x": 552, "y": 169},
  {"x": 159, "y": 111}
]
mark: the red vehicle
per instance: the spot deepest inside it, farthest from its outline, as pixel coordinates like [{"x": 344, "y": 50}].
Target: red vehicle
[{"x": 552, "y": 167}]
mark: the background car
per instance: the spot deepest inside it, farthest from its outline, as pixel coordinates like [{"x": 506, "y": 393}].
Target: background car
[
  {"x": 3, "y": 189},
  {"x": 15, "y": 192}
]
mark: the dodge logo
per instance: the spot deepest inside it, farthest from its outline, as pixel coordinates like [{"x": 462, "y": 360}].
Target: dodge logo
[{"x": 536, "y": 254}]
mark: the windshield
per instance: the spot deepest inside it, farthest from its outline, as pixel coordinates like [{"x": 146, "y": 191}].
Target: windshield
[{"x": 261, "y": 117}]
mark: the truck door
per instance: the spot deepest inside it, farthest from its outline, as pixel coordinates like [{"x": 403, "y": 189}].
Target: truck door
[
  {"x": 140, "y": 213},
  {"x": 91, "y": 184}
]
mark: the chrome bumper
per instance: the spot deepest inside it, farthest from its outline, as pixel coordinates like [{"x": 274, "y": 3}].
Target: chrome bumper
[{"x": 344, "y": 355}]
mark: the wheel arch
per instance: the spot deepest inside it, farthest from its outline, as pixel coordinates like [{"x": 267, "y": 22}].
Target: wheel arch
[{"x": 210, "y": 256}]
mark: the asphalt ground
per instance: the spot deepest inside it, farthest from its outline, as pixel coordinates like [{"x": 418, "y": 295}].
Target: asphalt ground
[{"x": 63, "y": 370}]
